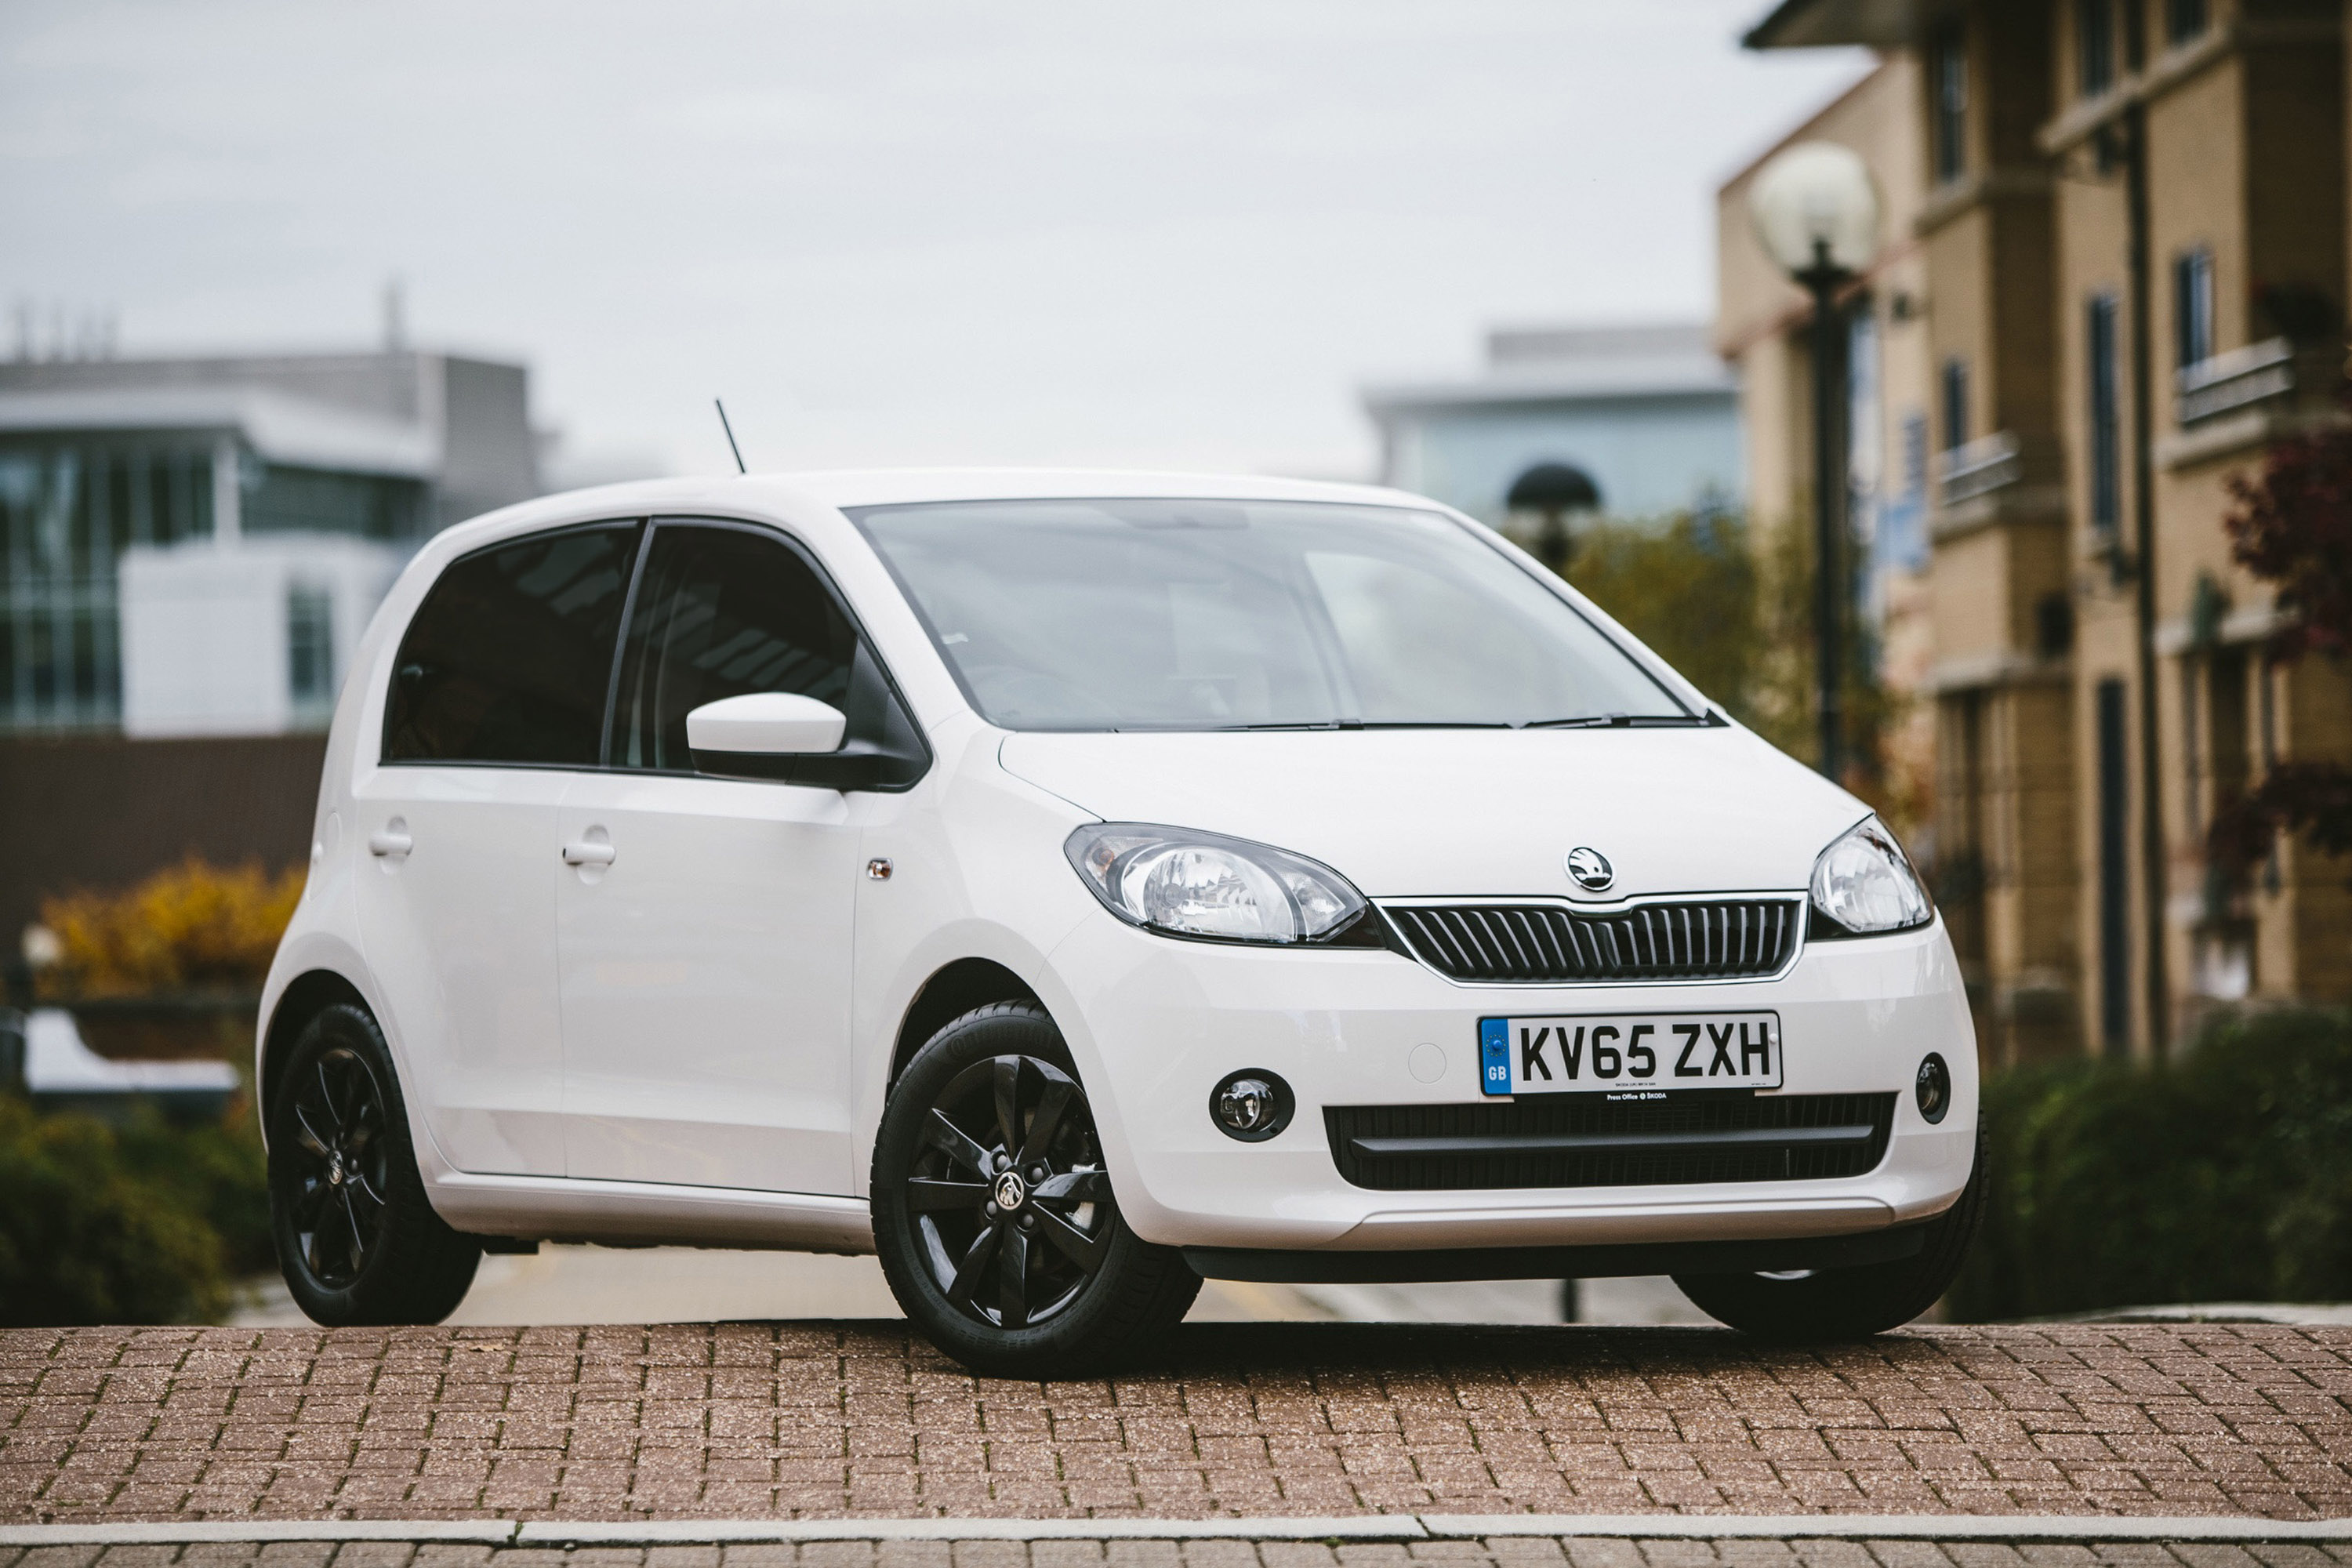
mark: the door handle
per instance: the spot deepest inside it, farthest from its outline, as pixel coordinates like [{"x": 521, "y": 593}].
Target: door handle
[
  {"x": 390, "y": 840},
  {"x": 587, "y": 853}
]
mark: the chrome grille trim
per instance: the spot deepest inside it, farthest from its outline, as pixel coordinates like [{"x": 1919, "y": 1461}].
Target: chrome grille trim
[{"x": 1533, "y": 942}]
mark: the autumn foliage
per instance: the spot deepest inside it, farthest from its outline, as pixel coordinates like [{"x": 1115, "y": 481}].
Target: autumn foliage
[{"x": 193, "y": 927}]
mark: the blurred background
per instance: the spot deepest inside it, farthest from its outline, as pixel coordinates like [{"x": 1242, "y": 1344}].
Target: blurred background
[{"x": 289, "y": 289}]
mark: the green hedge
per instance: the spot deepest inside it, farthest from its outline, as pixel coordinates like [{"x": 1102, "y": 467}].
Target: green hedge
[
  {"x": 141, "y": 1224},
  {"x": 2226, "y": 1175}
]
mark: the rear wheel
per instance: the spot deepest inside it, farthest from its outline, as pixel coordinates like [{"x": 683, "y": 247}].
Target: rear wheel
[
  {"x": 993, "y": 1212},
  {"x": 1814, "y": 1306},
  {"x": 357, "y": 1240}
]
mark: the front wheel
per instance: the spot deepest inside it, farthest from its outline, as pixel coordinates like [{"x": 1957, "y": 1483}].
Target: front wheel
[
  {"x": 993, "y": 1212},
  {"x": 1822, "y": 1305},
  {"x": 357, "y": 1238}
]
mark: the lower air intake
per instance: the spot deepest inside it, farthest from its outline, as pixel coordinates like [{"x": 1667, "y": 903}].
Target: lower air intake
[{"x": 1585, "y": 1140}]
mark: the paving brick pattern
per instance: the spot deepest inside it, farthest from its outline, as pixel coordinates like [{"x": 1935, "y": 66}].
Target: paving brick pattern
[
  {"x": 818, "y": 1420},
  {"x": 1505, "y": 1551}
]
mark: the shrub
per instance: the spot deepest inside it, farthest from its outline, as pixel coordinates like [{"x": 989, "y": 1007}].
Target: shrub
[
  {"x": 195, "y": 926},
  {"x": 220, "y": 1172},
  {"x": 87, "y": 1237},
  {"x": 2224, "y": 1176}
]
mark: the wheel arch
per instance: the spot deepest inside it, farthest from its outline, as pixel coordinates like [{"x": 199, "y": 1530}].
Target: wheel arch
[
  {"x": 952, "y": 991},
  {"x": 305, "y": 997}
]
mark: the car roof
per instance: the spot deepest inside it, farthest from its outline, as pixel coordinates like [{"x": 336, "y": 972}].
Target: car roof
[{"x": 884, "y": 487}]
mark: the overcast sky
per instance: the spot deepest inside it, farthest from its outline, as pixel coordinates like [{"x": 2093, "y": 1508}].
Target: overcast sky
[{"x": 890, "y": 231}]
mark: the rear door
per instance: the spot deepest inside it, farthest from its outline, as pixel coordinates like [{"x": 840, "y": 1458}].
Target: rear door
[
  {"x": 498, "y": 692},
  {"x": 704, "y": 923}
]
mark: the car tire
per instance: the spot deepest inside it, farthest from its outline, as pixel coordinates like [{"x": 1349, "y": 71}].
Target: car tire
[
  {"x": 1831, "y": 1304},
  {"x": 357, "y": 1240},
  {"x": 1051, "y": 1283}
]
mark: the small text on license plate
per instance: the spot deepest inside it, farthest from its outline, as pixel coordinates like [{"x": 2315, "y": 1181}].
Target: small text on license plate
[{"x": 1629, "y": 1055}]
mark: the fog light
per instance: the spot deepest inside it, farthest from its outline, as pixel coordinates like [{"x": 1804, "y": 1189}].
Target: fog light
[
  {"x": 1935, "y": 1087},
  {"x": 1251, "y": 1105}
]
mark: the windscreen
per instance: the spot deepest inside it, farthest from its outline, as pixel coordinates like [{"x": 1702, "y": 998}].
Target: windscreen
[{"x": 1186, "y": 615}]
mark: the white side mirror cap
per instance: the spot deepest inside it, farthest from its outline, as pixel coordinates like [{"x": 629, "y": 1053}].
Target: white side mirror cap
[{"x": 766, "y": 723}]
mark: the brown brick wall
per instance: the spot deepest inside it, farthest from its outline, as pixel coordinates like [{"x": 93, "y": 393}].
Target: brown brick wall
[{"x": 103, "y": 812}]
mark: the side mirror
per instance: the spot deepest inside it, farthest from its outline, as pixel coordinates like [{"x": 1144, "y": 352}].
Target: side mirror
[
  {"x": 785, "y": 739},
  {"x": 764, "y": 724}
]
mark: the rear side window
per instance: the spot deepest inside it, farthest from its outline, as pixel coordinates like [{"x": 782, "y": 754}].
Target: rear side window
[
  {"x": 510, "y": 656},
  {"x": 721, "y": 612}
]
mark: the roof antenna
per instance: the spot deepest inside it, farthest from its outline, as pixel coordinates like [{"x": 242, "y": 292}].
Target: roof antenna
[{"x": 731, "y": 446}]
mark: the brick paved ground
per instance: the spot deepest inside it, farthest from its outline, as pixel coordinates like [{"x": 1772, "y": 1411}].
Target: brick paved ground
[
  {"x": 834, "y": 1420},
  {"x": 1507, "y": 1551}
]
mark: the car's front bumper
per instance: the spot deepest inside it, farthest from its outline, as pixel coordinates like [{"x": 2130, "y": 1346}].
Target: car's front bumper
[{"x": 1155, "y": 1022}]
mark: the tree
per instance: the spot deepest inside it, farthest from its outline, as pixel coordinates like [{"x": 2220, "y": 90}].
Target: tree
[
  {"x": 1688, "y": 588},
  {"x": 2292, "y": 528}
]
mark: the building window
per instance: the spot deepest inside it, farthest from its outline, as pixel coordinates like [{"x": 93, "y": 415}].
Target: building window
[
  {"x": 2106, "y": 419},
  {"x": 2094, "y": 45},
  {"x": 67, "y": 512},
  {"x": 2192, "y": 308},
  {"x": 2115, "y": 884},
  {"x": 310, "y": 500},
  {"x": 310, "y": 651},
  {"x": 2183, "y": 20},
  {"x": 1948, "y": 80},
  {"x": 1903, "y": 517},
  {"x": 1955, "y": 395},
  {"x": 2229, "y": 724}
]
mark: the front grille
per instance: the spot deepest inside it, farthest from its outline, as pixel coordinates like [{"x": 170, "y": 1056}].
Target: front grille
[
  {"x": 1588, "y": 1140},
  {"x": 1547, "y": 944}
]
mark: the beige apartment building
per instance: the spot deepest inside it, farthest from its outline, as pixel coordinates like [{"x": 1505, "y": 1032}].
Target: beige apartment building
[{"x": 2114, "y": 254}]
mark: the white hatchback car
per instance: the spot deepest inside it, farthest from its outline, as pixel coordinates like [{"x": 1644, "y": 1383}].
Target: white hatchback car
[{"x": 1071, "y": 885}]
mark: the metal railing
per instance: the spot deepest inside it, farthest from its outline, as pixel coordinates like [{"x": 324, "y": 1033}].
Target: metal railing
[
  {"x": 1980, "y": 466},
  {"x": 2234, "y": 380}
]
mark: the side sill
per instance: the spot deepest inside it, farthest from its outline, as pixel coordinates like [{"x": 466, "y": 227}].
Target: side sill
[
  {"x": 650, "y": 1213},
  {"x": 1314, "y": 1267}
]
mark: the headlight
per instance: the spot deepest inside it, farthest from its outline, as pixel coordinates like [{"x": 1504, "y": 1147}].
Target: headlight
[
  {"x": 1204, "y": 885},
  {"x": 1863, "y": 883}
]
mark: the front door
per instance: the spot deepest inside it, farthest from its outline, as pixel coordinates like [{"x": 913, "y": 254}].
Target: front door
[
  {"x": 497, "y": 691},
  {"x": 704, "y": 923}
]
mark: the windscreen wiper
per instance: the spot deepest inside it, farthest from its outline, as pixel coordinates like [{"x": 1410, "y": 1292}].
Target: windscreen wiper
[
  {"x": 1374, "y": 724},
  {"x": 1628, "y": 721}
]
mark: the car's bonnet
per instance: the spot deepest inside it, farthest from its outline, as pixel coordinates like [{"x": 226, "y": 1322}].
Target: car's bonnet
[{"x": 1477, "y": 813}]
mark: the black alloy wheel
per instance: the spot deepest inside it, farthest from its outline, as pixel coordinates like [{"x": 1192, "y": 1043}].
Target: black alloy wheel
[
  {"x": 994, "y": 1212},
  {"x": 337, "y": 1159},
  {"x": 358, "y": 1239},
  {"x": 1009, "y": 1194},
  {"x": 1817, "y": 1306}
]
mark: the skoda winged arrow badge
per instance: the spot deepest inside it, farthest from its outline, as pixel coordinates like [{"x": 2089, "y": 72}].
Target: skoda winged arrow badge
[{"x": 1590, "y": 869}]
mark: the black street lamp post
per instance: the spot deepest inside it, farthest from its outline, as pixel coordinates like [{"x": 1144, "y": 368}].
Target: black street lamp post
[
  {"x": 1823, "y": 279},
  {"x": 1816, "y": 215}
]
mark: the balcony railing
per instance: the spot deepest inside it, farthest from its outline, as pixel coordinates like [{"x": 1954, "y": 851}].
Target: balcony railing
[
  {"x": 1980, "y": 466},
  {"x": 2234, "y": 380}
]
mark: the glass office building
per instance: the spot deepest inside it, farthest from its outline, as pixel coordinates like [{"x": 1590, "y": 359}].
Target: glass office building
[
  {"x": 70, "y": 506},
  {"x": 190, "y": 546}
]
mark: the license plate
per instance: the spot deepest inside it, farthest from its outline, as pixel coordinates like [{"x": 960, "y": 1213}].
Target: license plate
[{"x": 1630, "y": 1055}]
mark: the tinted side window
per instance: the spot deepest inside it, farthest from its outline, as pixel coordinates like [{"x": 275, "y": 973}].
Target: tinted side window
[
  {"x": 721, "y": 612},
  {"x": 510, "y": 656}
]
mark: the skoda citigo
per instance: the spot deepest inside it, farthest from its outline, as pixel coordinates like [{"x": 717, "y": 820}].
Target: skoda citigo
[{"x": 1071, "y": 886}]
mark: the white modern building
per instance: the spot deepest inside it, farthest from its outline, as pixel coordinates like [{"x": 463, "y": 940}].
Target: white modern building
[
  {"x": 193, "y": 546},
  {"x": 1648, "y": 417}
]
